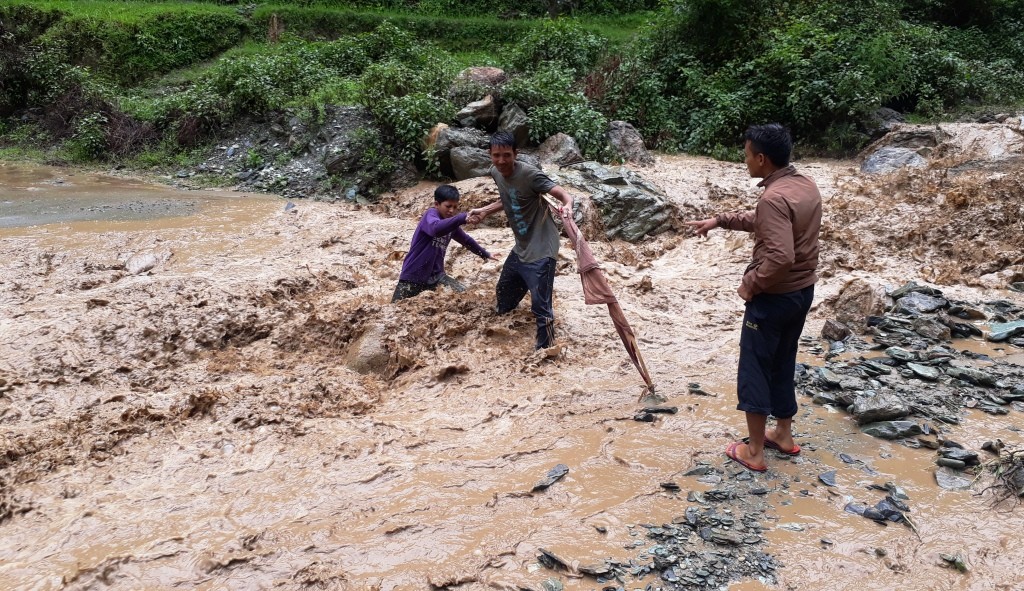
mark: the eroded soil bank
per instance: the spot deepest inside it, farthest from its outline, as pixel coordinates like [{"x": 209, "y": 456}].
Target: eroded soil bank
[{"x": 251, "y": 412}]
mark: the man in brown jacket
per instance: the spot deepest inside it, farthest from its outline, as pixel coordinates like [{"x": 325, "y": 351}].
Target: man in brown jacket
[{"x": 777, "y": 286}]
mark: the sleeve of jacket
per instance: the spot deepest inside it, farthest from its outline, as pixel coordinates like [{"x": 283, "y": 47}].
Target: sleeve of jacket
[
  {"x": 737, "y": 220},
  {"x": 436, "y": 226},
  {"x": 773, "y": 225},
  {"x": 466, "y": 240}
]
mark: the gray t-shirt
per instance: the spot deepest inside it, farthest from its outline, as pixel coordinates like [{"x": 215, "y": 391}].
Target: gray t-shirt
[{"x": 528, "y": 215}]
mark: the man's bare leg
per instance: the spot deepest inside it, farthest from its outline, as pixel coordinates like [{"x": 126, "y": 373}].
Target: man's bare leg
[{"x": 782, "y": 434}]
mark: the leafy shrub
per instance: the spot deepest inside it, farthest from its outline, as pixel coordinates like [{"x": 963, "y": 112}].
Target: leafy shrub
[
  {"x": 561, "y": 43},
  {"x": 155, "y": 43},
  {"x": 543, "y": 87},
  {"x": 574, "y": 117},
  {"x": 89, "y": 141}
]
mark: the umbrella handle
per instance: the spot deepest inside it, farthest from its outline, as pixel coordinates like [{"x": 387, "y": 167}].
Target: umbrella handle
[{"x": 551, "y": 200}]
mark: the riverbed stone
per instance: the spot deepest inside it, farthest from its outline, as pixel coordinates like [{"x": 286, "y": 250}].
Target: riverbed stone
[
  {"x": 931, "y": 329},
  {"x": 514, "y": 120},
  {"x": 966, "y": 456},
  {"x": 925, "y": 372},
  {"x": 1005, "y": 331},
  {"x": 892, "y": 429},
  {"x": 368, "y": 353},
  {"x": 856, "y": 302},
  {"x": 951, "y": 479},
  {"x": 872, "y": 407},
  {"x": 918, "y": 303},
  {"x": 833, "y": 330},
  {"x": 972, "y": 376}
]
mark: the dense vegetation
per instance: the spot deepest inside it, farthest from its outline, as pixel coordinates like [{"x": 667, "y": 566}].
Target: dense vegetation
[{"x": 116, "y": 79}]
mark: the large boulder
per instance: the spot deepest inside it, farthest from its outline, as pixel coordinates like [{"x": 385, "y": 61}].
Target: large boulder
[
  {"x": 449, "y": 138},
  {"x": 486, "y": 75},
  {"x": 514, "y": 120},
  {"x": 888, "y": 159},
  {"x": 369, "y": 352},
  {"x": 559, "y": 149},
  {"x": 482, "y": 114},
  {"x": 904, "y": 147},
  {"x": 627, "y": 143},
  {"x": 629, "y": 207},
  {"x": 858, "y": 300}
]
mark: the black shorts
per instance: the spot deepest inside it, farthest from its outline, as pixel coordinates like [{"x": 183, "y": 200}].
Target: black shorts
[{"x": 768, "y": 344}]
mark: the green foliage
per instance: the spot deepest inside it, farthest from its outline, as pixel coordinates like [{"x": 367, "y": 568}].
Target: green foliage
[
  {"x": 554, "y": 105},
  {"x": 89, "y": 141},
  {"x": 561, "y": 43},
  {"x": 407, "y": 97},
  {"x": 821, "y": 68},
  {"x": 128, "y": 51}
]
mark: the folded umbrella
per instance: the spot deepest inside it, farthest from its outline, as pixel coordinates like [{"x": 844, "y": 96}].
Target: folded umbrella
[{"x": 597, "y": 291}]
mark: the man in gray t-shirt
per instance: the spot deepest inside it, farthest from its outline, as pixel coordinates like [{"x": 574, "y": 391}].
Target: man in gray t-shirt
[{"x": 530, "y": 266}]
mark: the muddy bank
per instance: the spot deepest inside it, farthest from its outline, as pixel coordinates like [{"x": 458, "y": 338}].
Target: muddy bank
[{"x": 252, "y": 412}]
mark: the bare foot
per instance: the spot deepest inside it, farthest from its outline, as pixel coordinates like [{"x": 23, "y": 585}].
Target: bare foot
[
  {"x": 783, "y": 441},
  {"x": 740, "y": 453}
]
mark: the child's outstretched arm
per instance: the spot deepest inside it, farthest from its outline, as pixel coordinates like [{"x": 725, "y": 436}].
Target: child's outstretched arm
[
  {"x": 466, "y": 240},
  {"x": 434, "y": 225}
]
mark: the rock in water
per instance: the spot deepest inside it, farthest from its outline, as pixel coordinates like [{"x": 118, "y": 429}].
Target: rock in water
[
  {"x": 554, "y": 475},
  {"x": 140, "y": 263},
  {"x": 951, "y": 479}
]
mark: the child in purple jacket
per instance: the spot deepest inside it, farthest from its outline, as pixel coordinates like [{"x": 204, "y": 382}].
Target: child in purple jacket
[{"x": 423, "y": 268}]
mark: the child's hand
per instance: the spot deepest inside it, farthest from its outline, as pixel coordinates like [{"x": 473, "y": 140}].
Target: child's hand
[{"x": 494, "y": 256}]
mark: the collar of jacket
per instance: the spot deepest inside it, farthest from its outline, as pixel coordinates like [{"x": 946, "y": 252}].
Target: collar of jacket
[{"x": 778, "y": 174}]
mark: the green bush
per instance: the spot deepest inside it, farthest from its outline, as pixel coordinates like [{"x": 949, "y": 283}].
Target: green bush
[
  {"x": 821, "y": 68},
  {"x": 559, "y": 42},
  {"x": 155, "y": 43}
]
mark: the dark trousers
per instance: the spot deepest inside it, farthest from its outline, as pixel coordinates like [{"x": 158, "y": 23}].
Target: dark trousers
[
  {"x": 408, "y": 289},
  {"x": 538, "y": 278},
  {"x": 768, "y": 343}
]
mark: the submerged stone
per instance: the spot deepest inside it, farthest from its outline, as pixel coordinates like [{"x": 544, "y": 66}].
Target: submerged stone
[
  {"x": 892, "y": 429},
  {"x": 925, "y": 372},
  {"x": 554, "y": 475},
  {"x": 971, "y": 375},
  {"x": 950, "y": 479}
]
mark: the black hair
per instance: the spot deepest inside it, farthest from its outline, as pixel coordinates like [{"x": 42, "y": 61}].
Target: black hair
[
  {"x": 446, "y": 193},
  {"x": 772, "y": 140},
  {"x": 502, "y": 139}
]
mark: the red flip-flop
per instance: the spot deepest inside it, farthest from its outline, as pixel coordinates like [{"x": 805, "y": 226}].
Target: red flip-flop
[
  {"x": 731, "y": 452},
  {"x": 772, "y": 445}
]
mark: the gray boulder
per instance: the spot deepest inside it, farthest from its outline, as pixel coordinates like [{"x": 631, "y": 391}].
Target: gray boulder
[
  {"x": 449, "y": 138},
  {"x": 486, "y": 75},
  {"x": 481, "y": 114},
  {"x": 514, "y": 120},
  {"x": 871, "y": 407},
  {"x": 368, "y": 353},
  {"x": 889, "y": 159},
  {"x": 629, "y": 207},
  {"x": 627, "y": 143},
  {"x": 915, "y": 303},
  {"x": 559, "y": 149},
  {"x": 950, "y": 479}
]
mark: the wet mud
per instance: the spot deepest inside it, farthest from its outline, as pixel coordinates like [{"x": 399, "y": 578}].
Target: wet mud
[{"x": 242, "y": 407}]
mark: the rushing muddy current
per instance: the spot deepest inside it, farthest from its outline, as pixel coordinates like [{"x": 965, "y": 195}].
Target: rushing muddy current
[{"x": 207, "y": 390}]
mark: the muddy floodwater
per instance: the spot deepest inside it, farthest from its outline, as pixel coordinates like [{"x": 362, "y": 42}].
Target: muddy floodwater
[{"x": 249, "y": 410}]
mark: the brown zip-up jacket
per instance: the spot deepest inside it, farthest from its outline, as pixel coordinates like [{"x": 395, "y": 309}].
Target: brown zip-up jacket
[{"x": 785, "y": 224}]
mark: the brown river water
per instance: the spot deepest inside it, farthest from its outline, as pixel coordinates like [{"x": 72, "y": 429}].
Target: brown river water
[{"x": 198, "y": 426}]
